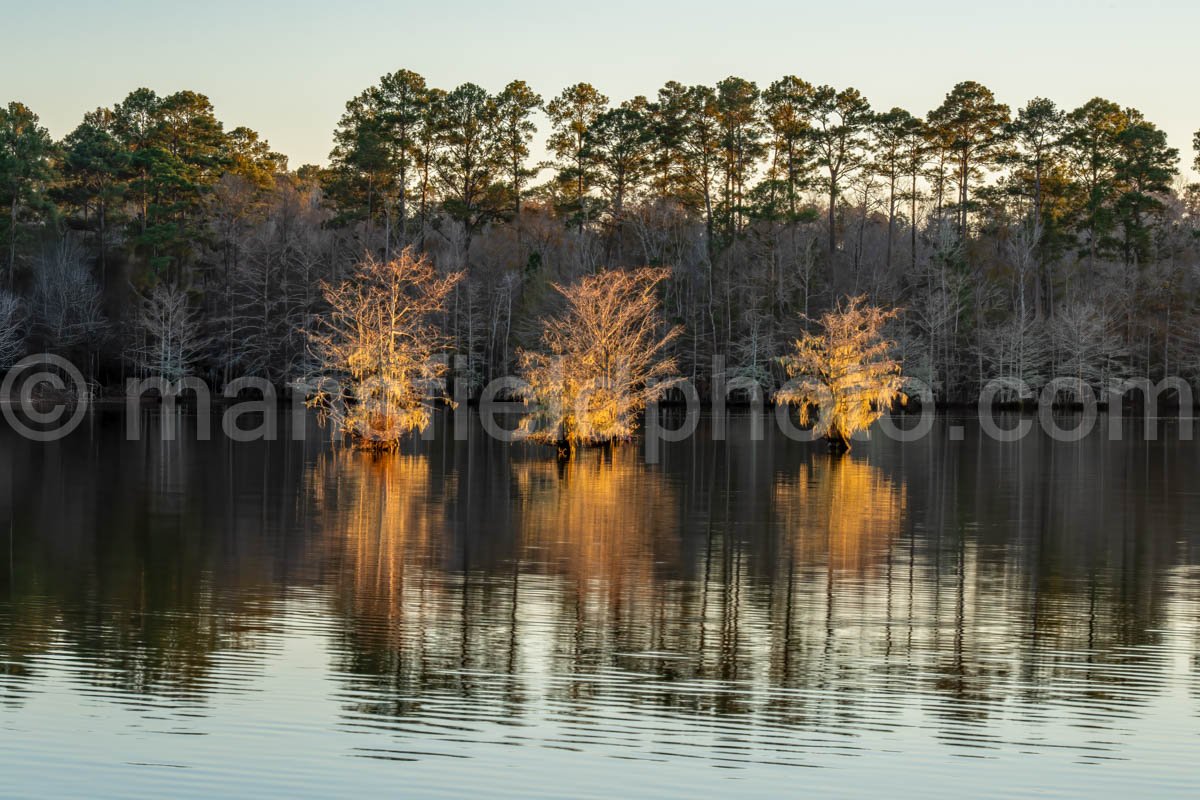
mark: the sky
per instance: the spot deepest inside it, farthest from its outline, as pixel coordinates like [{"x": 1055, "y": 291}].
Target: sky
[{"x": 286, "y": 69}]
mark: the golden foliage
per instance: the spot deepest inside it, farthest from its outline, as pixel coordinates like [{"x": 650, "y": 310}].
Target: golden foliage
[
  {"x": 843, "y": 378},
  {"x": 603, "y": 360},
  {"x": 379, "y": 348}
]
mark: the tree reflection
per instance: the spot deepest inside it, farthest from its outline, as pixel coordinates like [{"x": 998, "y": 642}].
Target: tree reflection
[
  {"x": 839, "y": 511},
  {"x": 762, "y": 588},
  {"x": 142, "y": 573},
  {"x": 383, "y": 524},
  {"x": 418, "y": 619},
  {"x": 602, "y": 518}
]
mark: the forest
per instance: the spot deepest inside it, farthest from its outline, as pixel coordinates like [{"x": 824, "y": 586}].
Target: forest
[{"x": 1029, "y": 242}]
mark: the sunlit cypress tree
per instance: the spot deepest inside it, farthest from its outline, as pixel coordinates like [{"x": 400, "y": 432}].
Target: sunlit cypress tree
[
  {"x": 376, "y": 351},
  {"x": 603, "y": 359},
  {"x": 843, "y": 377}
]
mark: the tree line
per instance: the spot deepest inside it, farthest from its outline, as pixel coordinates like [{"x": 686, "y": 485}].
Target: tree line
[{"x": 1030, "y": 243}]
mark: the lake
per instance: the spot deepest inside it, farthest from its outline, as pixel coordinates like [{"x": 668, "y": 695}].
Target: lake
[{"x": 743, "y": 618}]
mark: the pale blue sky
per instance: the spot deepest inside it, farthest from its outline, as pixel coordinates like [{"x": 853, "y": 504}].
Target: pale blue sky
[{"x": 287, "y": 68}]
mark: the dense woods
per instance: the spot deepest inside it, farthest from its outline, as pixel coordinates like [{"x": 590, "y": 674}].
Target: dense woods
[{"x": 1026, "y": 241}]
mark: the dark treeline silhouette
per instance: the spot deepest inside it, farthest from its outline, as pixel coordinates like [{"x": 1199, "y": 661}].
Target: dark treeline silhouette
[{"x": 1026, "y": 244}]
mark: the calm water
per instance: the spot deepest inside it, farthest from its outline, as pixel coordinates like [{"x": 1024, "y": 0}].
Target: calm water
[{"x": 466, "y": 618}]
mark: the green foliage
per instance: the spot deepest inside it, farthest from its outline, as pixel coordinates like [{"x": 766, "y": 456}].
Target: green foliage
[
  {"x": 1144, "y": 168},
  {"x": 739, "y": 118},
  {"x": 1120, "y": 164},
  {"x": 572, "y": 114},
  {"x": 667, "y": 120},
  {"x": 619, "y": 144},
  {"x": 971, "y": 124},
  {"x": 1091, "y": 141},
  {"x": 26, "y": 169},
  {"x": 470, "y": 160},
  {"x": 839, "y": 125},
  {"x": 1037, "y": 177},
  {"x": 360, "y": 164},
  {"x": 94, "y": 161},
  {"x": 733, "y": 188},
  {"x": 161, "y": 157},
  {"x": 785, "y": 110},
  {"x": 252, "y": 158},
  {"x": 515, "y": 129}
]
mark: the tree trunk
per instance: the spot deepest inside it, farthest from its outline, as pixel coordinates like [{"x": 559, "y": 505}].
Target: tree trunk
[
  {"x": 403, "y": 206},
  {"x": 516, "y": 169},
  {"x": 832, "y": 214},
  {"x": 962, "y": 196},
  {"x": 891, "y": 219},
  {"x": 103, "y": 258},
  {"x": 12, "y": 241},
  {"x": 912, "y": 222}
]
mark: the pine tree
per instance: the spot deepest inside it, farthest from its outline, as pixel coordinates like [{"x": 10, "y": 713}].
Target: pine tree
[
  {"x": 572, "y": 114},
  {"x": 1091, "y": 141},
  {"x": 891, "y": 130},
  {"x": 514, "y": 129},
  {"x": 786, "y": 104},
  {"x": 469, "y": 160},
  {"x": 840, "y": 122},
  {"x": 1145, "y": 166},
  {"x": 26, "y": 169},
  {"x": 94, "y": 166},
  {"x": 402, "y": 99},
  {"x": 972, "y": 122}
]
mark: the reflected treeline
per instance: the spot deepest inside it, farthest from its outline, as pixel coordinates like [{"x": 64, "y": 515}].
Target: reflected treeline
[
  {"x": 143, "y": 559},
  {"x": 972, "y": 574},
  {"x": 408, "y": 618},
  {"x": 761, "y": 580}
]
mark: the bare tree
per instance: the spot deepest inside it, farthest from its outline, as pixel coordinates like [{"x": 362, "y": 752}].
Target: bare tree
[
  {"x": 1016, "y": 348},
  {"x": 1087, "y": 343},
  {"x": 66, "y": 299},
  {"x": 12, "y": 329},
  {"x": 1022, "y": 251},
  {"x": 845, "y": 372},
  {"x": 935, "y": 312},
  {"x": 754, "y": 348},
  {"x": 603, "y": 359},
  {"x": 378, "y": 345},
  {"x": 170, "y": 337}
]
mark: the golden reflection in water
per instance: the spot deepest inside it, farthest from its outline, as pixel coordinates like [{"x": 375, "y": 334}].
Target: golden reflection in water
[
  {"x": 602, "y": 518},
  {"x": 839, "y": 511},
  {"x": 388, "y": 523}
]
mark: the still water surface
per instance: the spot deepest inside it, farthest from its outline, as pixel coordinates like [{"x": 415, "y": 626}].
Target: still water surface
[{"x": 939, "y": 618}]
